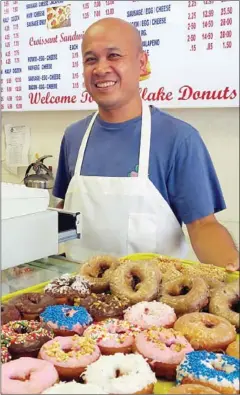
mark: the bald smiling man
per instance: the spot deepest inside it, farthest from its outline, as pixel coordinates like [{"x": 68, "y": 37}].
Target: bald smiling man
[{"x": 135, "y": 173}]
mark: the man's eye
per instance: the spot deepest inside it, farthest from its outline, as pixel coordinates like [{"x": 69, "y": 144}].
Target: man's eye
[
  {"x": 89, "y": 60},
  {"x": 114, "y": 55}
]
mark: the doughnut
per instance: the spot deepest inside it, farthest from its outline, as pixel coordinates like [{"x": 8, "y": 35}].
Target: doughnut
[
  {"x": 136, "y": 281},
  {"x": 73, "y": 387},
  {"x": 103, "y": 306},
  {"x": 98, "y": 271},
  {"x": 148, "y": 314},
  {"x": 27, "y": 376},
  {"x": 163, "y": 348},
  {"x": 234, "y": 349},
  {"x": 185, "y": 295},
  {"x": 5, "y": 355},
  {"x": 112, "y": 335},
  {"x": 31, "y": 305},
  {"x": 66, "y": 287},
  {"x": 70, "y": 355},
  {"x": 122, "y": 374},
  {"x": 9, "y": 313},
  {"x": 191, "y": 389},
  {"x": 26, "y": 337},
  {"x": 206, "y": 331},
  {"x": 66, "y": 320},
  {"x": 217, "y": 371},
  {"x": 225, "y": 302}
]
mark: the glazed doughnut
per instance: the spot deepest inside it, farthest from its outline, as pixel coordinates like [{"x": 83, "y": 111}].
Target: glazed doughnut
[
  {"x": 206, "y": 331},
  {"x": 73, "y": 387},
  {"x": 217, "y": 371},
  {"x": 225, "y": 302},
  {"x": 27, "y": 376},
  {"x": 66, "y": 320},
  {"x": 5, "y": 343},
  {"x": 103, "y": 306},
  {"x": 64, "y": 288},
  {"x": 192, "y": 389},
  {"x": 148, "y": 314},
  {"x": 122, "y": 374},
  {"x": 31, "y": 305},
  {"x": 185, "y": 295},
  {"x": 163, "y": 348},
  {"x": 9, "y": 313},
  {"x": 26, "y": 337},
  {"x": 98, "y": 271},
  {"x": 136, "y": 281},
  {"x": 112, "y": 336},
  {"x": 70, "y": 355},
  {"x": 233, "y": 350}
]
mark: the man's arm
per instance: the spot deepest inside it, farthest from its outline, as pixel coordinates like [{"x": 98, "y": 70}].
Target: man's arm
[
  {"x": 60, "y": 204},
  {"x": 213, "y": 244}
]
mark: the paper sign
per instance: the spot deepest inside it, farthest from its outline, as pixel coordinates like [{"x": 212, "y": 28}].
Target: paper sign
[{"x": 17, "y": 140}]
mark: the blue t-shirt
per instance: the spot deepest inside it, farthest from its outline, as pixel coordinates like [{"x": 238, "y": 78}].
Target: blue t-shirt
[{"x": 180, "y": 166}]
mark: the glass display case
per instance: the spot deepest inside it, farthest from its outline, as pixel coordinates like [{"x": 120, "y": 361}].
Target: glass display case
[{"x": 34, "y": 273}]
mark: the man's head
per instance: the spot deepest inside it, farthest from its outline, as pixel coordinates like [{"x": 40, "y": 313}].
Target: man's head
[{"x": 113, "y": 61}]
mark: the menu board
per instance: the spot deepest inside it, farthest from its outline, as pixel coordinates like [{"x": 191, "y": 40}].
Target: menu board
[{"x": 193, "y": 50}]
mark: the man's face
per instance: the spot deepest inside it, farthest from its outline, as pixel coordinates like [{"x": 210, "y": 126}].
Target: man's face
[{"x": 112, "y": 66}]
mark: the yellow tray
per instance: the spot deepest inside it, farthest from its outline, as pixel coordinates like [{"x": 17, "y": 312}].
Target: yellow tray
[{"x": 162, "y": 386}]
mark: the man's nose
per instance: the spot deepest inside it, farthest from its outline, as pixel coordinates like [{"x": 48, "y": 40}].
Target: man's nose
[{"x": 102, "y": 67}]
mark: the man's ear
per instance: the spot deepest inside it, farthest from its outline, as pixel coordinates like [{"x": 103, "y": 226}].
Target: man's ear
[{"x": 145, "y": 69}]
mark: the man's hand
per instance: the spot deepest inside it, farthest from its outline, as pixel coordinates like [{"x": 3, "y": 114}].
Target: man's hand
[
  {"x": 60, "y": 204},
  {"x": 213, "y": 244}
]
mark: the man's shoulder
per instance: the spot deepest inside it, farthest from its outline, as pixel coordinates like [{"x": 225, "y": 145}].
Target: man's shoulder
[
  {"x": 77, "y": 128},
  {"x": 165, "y": 124}
]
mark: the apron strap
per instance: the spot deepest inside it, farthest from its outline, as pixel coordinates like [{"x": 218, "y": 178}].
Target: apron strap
[
  {"x": 145, "y": 142},
  {"x": 83, "y": 145}
]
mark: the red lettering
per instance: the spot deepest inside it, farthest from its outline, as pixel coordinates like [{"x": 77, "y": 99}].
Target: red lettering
[
  {"x": 159, "y": 95},
  {"x": 187, "y": 92},
  {"x": 35, "y": 98},
  {"x": 86, "y": 97}
]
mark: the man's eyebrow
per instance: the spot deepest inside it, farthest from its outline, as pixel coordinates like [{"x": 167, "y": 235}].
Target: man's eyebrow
[{"x": 109, "y": 49}]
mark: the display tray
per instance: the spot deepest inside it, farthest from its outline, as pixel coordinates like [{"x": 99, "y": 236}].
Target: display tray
[{"x": 162, "y": 386}]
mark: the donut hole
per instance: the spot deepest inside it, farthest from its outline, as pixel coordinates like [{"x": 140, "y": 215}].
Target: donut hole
[
  {"x": 21, "y": 330},
  {"x": 180, "y": 290},
  {"x": 222, "y": 367},
  {"x": 118, "y": 373},
  {"x": 102, "y": 270},
  {"x": 235, "y": 306},
  {"x": 209, "y": 324},
  {"x": 2, "y": 309},
  {"x": 23, "y": 378},
  {"x": 69, "y": 312}
]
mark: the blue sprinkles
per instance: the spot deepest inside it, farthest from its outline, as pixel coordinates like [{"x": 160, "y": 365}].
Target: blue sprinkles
[
  {"x": 58, "y": 314},
  {"x": 193, "y": 365}
]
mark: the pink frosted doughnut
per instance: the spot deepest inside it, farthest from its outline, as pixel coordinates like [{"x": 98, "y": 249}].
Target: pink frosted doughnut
[
  {"x": 39, "y": 376},
  {"x": 113, "y": 335},
  {"x": 70, "y": 354},
  {"x": 164, "y": 349},
  {"x": 148, "y": 314}
]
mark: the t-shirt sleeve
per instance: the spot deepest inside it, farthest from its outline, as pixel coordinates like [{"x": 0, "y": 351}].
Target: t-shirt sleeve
[
  {"x": 193, "y": 185},
  {"x": 63, "y": 176}
]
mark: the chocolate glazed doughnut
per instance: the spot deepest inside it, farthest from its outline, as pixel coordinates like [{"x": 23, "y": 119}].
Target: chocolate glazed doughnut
[
  {"x": 185, "y": 295},
  {"x": 98, "y": 271},
  {"x": 136, "y": 281},
  {"x": 9, "y": 313},
  {"x": 31, "y": 304},
  {"x": 225, "y": 302}
]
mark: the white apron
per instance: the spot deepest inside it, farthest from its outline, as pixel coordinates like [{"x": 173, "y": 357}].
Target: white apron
[{"x": 122, "y": 215}]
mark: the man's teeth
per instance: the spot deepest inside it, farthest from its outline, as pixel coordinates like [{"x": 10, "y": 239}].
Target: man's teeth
[{"x": 105, "y": 84}]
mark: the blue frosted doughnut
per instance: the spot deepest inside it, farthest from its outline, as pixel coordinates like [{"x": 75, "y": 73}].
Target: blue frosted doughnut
[
  {"x": 66, "y": 318},
  {"x": 218, "y": 371}
]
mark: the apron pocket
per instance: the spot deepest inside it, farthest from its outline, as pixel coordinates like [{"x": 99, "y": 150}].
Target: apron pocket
[{"x": 142, "y": 233}]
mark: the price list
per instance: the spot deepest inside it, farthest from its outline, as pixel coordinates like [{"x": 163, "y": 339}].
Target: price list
[
  {"x": 186, "y": 42},
  {"x": 11, "y": 55},
  {"x": 210, "y": 25}
]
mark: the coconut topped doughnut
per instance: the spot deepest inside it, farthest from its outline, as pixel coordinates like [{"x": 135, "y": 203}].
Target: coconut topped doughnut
[
  {"x": 122, "y": 374},
  {"x": 69, "y": 286},
  {"x": 148, "y": 314},
  {"x": 73, "y": 387}
]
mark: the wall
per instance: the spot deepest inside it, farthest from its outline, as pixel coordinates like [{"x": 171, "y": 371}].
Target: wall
[{"x": 218, "y": 127}]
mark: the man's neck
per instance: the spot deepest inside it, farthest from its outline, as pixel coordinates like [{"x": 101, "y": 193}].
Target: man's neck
[{"x": 122, "y": 114}]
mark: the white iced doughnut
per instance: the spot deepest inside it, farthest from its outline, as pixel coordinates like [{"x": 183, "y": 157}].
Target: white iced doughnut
[
  {"x": 122, "y": 373},
  {"x": 73, "y": 387}
]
